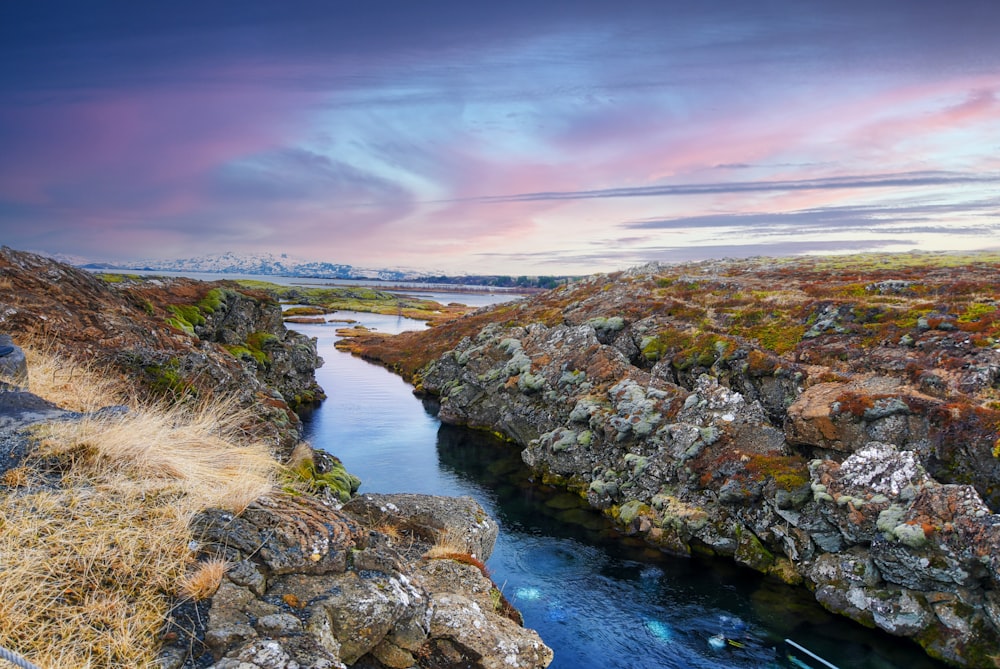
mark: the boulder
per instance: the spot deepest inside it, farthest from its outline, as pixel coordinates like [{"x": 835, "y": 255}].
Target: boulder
[
  {"x": 460, "y": 522},
  {"x": 315, "y": 586},
  {"x": 13, "y": 366}
]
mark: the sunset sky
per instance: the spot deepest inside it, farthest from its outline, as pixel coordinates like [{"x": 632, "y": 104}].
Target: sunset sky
[{"x": 522, "y": 137}]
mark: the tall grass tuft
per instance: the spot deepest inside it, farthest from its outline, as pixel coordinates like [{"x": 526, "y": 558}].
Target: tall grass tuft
[
  {"x": 94, "y": 548},
  {"x": 70, "y": 384}
]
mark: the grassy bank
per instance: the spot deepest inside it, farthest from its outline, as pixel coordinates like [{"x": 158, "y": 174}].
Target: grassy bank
[{"x": 94, "y": 542}]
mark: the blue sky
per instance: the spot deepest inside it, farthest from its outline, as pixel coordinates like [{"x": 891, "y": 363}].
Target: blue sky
[{"x": 523, "y": 137}]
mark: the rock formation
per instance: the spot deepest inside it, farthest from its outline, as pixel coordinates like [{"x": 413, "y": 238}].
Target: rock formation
[
  {"x": 836, "y": 429},
  {"x": 172, "y": 338},
  {"x": 313, "y": 586},
  {"x": 379, "y": 582}
]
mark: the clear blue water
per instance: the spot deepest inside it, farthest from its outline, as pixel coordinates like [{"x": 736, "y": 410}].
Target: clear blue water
[{"x": 597, "y": 598}]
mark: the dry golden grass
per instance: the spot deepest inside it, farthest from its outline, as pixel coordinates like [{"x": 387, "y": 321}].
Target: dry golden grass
[
  {"x": 87, "y": 574},
  {"x": 71, "y": 385},
  {"x": 445, "y": 547},
  {"x": 302, "y": 455},
  {"x": 194, "y": 451},
  {"x": 16, "y": 477},
  {"x": 389, "y": 530},
  {"x": 90, "y": 567},
  {"x": 448, "y": 549},
  {"x": 202, "y": 582}
]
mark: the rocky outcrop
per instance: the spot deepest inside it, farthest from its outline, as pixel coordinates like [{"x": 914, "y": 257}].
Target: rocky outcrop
[
  {"x": 172, "y": 338},
  {"x": 384, "y": 581},
  {"x": 841, "y": 437},
  {"x": 313, "y": 586}
]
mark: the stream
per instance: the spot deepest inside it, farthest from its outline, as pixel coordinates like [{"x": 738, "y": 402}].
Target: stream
[{"x": 597, "y": 598}]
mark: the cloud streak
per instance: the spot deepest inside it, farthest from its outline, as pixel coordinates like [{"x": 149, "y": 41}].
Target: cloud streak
[{"x": 902, "y": 180}]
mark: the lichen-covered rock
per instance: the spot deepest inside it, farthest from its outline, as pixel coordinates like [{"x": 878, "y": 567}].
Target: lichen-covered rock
[
  {"x": 468, "y": 636},
  {"x": 838, "y": 434},
  {"x": 13, "y": 367},
  {"x": 313, "y": 586},
  {"x": 458, "y": 521}
]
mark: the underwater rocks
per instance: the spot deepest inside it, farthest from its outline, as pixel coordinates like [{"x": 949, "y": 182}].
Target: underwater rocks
[{"x": 313, "y": 586}]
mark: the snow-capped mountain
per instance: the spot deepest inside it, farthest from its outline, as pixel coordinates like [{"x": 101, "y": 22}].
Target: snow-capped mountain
[{"x": 264, "y": 264}]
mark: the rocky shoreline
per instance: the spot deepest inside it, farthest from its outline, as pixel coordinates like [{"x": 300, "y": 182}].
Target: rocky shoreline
[
  {"x": 310, "y": 581},
  {"x": 848, "y": 445}
]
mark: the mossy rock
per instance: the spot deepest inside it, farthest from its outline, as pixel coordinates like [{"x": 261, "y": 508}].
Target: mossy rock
[
  {"x": 186, "y": 317},
  {"x": 630, "y": 511},
  {"x": 166, "y": 379},
  {"x": 329, "y": 475},
  {"x": 212, "y": 301},
  {"x": 751, "y": 552}
]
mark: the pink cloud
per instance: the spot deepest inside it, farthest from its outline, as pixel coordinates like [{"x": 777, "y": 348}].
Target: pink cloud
[{"x": 142, "y": 150}]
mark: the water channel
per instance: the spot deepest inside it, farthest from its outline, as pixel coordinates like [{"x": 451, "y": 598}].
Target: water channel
[{"x": 597, "y": 598}]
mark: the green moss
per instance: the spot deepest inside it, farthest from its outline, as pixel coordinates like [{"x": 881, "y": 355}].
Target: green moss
[
  {"x": 703, "y": 351},
  {"x": 304, "y": 311},
  {"x": 351, "y": 298},
  {"x": 258, "y": 357},
  {"x": 181, "y": 325},
  {"x": 665, "y": 342},
  {"x": 976, "y": 311},
  {"x": 751, "y": 552},
  {"x": 166, "y": 379},
  {"x": 212, "y": 301},
  {"x": 257, "y": 341},
  {"x": 631, "y": 510},
  {"x": 185, "y": 317},
  {"x": 255, "y": 348},
  {"x": 337, "y": 480},
  {"x": 853, "y": 290},
  {"x": 789, "y": 472}
]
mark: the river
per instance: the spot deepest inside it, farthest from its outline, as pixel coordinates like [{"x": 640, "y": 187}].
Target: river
[{"x": 597, "y": 598}]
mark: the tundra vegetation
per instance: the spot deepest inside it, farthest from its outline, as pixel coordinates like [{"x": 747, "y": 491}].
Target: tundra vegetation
[
  {"x": 147, "y": 521},
  {"x": 830, "y": 421}
]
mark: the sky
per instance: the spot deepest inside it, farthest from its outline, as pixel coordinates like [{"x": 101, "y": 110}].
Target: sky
[{"x": 523, "y": 137}]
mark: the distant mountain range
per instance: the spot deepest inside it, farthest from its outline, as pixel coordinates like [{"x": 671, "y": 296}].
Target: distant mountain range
[
  {"x": 267, "y": 264},
  {"x": 270, "y": 264}
]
